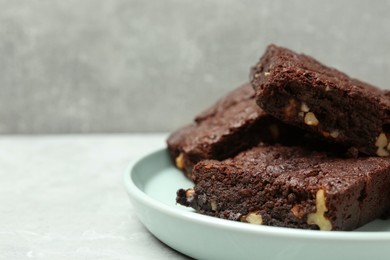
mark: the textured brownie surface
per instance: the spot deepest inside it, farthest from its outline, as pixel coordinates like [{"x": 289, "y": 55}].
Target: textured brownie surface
[
  {"x": 291, "y": 187},
  {"x": 299, "y": 90},
  {"x": 233, "y": 124}
]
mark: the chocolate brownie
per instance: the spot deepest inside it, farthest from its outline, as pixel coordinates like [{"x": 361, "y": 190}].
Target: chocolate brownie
[
  {"x": 291, "y": 187},
  {"x": 301, "y": 91},
  {"x": 233, "y": 124}
]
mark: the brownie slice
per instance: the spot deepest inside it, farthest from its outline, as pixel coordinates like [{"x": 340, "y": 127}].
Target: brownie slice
[
  {"x": 301, "y": 91},
  {"x": 233, "y": 124},
  {"x": 292, "y": 187}
]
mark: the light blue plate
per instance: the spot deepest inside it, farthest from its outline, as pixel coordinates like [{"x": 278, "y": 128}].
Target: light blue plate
[{"x": 152, "y": 182}]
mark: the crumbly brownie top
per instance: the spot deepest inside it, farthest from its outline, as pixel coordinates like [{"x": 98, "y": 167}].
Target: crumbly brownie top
[
  {"x": 235, "y": 110},
  {"x": 279, "y": 61},
  {"x": 301, "y": 91},
  {"x": 242, "y": 93},
  {"x": 295, "y": 166}
]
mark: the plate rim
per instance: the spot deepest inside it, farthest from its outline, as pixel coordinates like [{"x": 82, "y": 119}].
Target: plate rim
[{"x": 136, "y": 193}]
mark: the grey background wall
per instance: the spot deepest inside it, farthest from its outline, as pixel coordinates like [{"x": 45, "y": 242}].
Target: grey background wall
[{"x": 130, "y": 66}]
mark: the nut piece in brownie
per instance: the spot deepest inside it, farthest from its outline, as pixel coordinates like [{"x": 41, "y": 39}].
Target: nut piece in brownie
[
  {"x": 233, "y": 124},
  {"x": 301, "y": 91},
  {"x": 292, "y": 187}
]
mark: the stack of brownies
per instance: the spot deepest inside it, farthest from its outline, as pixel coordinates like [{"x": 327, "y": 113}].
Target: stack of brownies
[{"x": 302, "y": 146}]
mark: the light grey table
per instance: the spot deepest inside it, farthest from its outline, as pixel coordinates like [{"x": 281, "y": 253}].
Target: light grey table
[{"x": 62, "y": 197}]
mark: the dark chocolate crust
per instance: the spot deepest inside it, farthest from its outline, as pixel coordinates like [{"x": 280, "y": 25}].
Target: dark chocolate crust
[
  {"x": 233, "y": 124},
  {"x": 301, "y": 91},
  {"x": 282, "y": 185}
]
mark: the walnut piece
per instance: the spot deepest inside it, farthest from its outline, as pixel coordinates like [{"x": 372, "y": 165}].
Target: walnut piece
[
  {"x": 382, "y": 143},
  {"x": 190, "y": 195},
  {"x": 298, "y": 211},
  {"x": 304, "y": 107},
  {"x": 213, "y": 205},
  {"x": 334, "y": 133},
  {"x": 180, "y": 161},
  {"x": 253, "y": 218},
  {"x": 318, "y": 218},
  {"x": 311, "y": 119}
]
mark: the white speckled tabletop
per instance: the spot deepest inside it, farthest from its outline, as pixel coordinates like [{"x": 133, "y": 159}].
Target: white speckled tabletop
[{"x": 62, "y": 197}]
